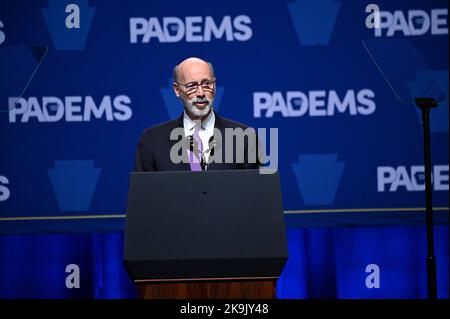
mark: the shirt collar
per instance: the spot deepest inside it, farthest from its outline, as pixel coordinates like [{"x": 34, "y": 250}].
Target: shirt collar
[{"x": 207, "y": 123}]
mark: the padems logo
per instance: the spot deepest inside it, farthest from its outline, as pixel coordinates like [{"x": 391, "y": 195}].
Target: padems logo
[
  {"x": 410, "y": 179},
  {"x": 412, "y": 23},
  {"x": 190, "y": 29},
  {"x": 4, "y": 190},
  {"x": 2, "y": 34},
  {"x": 69, "y": 109},
  {"x": 313, "y": 103}
]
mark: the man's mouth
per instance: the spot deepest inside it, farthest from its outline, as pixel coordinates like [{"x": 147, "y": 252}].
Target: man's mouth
[{"x": 201, "y": 104}]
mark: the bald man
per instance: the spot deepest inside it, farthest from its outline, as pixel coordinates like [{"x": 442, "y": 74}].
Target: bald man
[{"x": 200, "y": 127}]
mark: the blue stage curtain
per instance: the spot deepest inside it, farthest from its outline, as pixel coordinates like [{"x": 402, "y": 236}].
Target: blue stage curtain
[{"x": 324, "y": 263}]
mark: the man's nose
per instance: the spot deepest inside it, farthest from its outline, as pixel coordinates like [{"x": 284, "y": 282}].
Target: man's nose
[{"x": 200, "y": 91}]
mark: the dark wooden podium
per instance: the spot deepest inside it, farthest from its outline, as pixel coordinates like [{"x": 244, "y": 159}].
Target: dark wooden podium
[
  {"x": 221, "y": 237},
  {"x": 210, "y": 289}
]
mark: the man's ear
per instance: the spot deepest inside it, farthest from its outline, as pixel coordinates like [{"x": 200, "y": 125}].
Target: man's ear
[{"x": 176, "y": 89}]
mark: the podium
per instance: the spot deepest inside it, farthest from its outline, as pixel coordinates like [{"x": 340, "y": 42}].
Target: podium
[
  {"x": 220, "y": 289},
  {"x": 209, "y": 234}
]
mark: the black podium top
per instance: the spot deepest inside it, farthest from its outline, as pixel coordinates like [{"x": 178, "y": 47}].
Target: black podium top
[{"x": 197, "y": 225}]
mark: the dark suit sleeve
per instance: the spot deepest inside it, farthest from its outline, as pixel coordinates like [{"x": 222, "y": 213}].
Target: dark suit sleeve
[
  {"x": 144, "y": 155},
  {"x": 253, "y": 151}
]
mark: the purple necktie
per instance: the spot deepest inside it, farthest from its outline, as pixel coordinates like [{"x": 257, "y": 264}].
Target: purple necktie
[{"x": 193, "y": 160}]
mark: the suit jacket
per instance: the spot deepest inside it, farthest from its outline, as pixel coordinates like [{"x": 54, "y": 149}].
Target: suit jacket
[{"x": 153, "y": 150}]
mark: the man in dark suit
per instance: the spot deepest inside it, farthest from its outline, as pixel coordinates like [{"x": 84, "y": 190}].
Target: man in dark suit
[{"x": 206, "y": 140}]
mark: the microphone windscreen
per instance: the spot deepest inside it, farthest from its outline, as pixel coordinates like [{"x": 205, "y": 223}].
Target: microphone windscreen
[
  {"x": 190, "y": 142},
  {"x": 212, "y": 142}
]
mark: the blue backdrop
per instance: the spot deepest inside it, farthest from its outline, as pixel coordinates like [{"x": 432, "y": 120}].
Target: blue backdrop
[{"x": 346, "y": 143}]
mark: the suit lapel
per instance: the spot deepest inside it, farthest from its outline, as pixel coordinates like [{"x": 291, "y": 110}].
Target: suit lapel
[
  {"x": 218, "y": 124},
  {"x": 184, "y": 166}
]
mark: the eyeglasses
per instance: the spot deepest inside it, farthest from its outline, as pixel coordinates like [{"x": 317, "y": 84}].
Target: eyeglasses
[{"x": 192, "y": 87}]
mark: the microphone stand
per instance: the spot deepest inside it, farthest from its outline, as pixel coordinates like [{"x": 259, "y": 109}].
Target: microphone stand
[
  {"x": 193, "y": 147},
  {"x": 212, "y": 144},
  {"x": 203, "y": 163},
  {"x": 425, "y": 104}
]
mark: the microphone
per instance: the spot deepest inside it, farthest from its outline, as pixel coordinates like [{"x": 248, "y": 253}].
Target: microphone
[
  {"x": 193, "y": 145},
  {"x": 203, "y": 164},
  {"x": 212, "y": 143}
]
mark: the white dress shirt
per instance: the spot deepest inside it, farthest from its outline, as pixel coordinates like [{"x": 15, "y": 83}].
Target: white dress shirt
[{"x": 205, "y": 133}]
